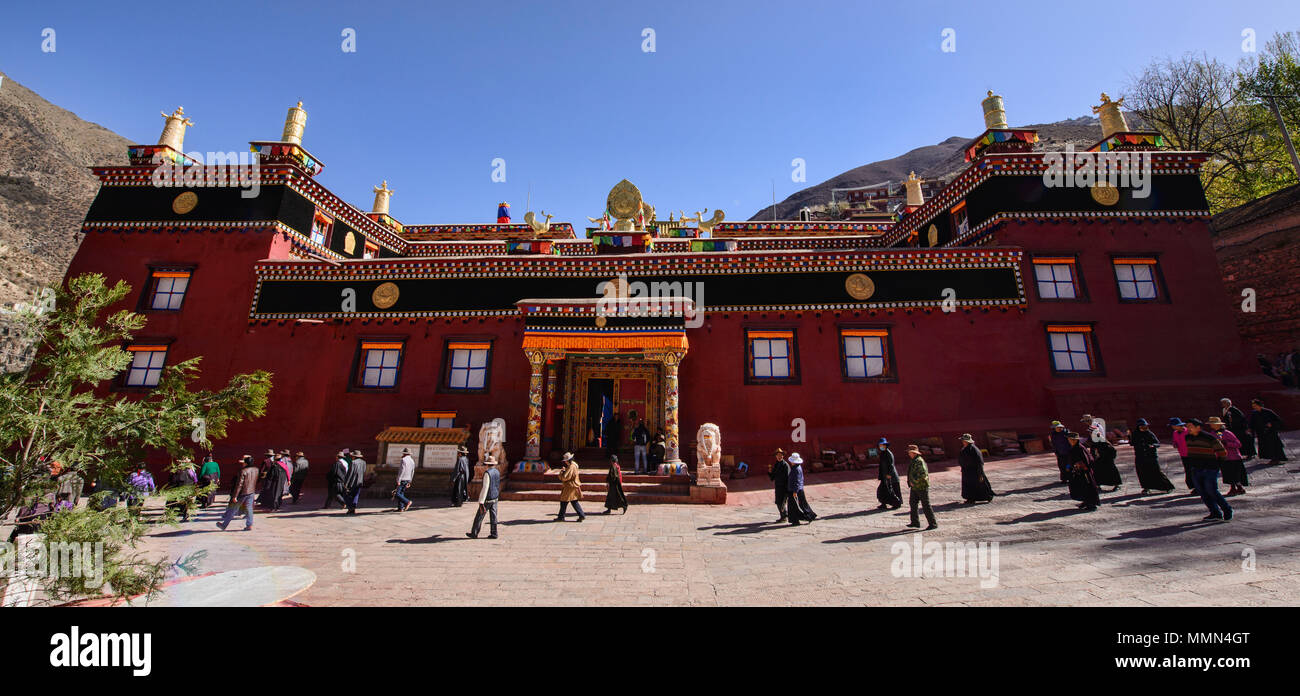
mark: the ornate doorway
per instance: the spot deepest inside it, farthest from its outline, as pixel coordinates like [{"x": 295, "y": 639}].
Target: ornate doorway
[{"x": 632, "y": 384}]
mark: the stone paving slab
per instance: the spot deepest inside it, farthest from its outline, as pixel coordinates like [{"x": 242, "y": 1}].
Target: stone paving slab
[{"x": 1134, "y": 551}]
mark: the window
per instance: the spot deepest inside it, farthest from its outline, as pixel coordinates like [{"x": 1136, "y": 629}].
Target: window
[
  {"x": 380, "y": 361},
  {"x": 865, "y": 353},
  {"x": 468, "y": 365},
  {"x": 372, "y": 250},
  {"x": 1136, "y": 278},
  {"x": 771, "y": 356},
  {"x": 168, "y": 288},
  {"x": 146, "y": 365},
  {"x": 321, "y": 226},
  {"x": 437, "y": 419},
  {"x": 960, "y": 220},
  {"x": 1072, "y": 348},
  {"x": 1056, "y": 278}
]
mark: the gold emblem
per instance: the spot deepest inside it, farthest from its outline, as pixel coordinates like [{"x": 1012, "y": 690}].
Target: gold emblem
[
  {"x": 624, "y": 203},
  {"x": 385, "y": 295},
  {"x": 601, "y": 321},
  {"x": 185, "y": 202},
  {"x": 350, "y": 243},
  {"x": 933, "y": 235},
  {"x": 859, "y": 286},
  {"x": 1105, "y": 194}
]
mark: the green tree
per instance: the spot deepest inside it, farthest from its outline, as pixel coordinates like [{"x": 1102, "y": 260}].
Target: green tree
[{"x": 57, "y": 411}]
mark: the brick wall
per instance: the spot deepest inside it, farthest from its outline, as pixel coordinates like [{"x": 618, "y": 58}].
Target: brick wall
[{"x": 1258, "y": 247}]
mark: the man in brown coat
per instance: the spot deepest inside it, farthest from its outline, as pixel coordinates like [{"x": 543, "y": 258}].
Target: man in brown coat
[
  {"x": 571, "y": 488},
  {"x": 242, "y": 494}
]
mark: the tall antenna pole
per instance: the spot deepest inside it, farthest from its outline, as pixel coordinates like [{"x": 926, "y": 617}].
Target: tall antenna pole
[{"x": 1286, "y": 135}]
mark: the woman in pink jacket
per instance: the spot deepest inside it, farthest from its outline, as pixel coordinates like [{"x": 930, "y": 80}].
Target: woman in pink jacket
[{"x": 1180, "y": 444}]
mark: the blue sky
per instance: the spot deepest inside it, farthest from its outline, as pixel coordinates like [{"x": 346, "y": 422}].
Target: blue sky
[{"x": 564, "y": 93}]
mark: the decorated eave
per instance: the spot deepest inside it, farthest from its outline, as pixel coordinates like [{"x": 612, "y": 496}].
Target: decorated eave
[
  {"x": 1164, "y": 162},
  {"x": 1130, "y": 141},
  {"x": 1001, "y": 140},
  {"x": 423, "y": 436},
  {"x": 275, "y": 152},
  {"x": 484, "y": 232},
  {"x": 791, "y": 228}
]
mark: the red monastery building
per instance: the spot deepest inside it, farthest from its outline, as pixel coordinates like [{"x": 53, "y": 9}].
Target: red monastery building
[{"x": 994, "y": 307}]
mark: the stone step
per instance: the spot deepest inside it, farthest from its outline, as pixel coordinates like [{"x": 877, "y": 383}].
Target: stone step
[
  {"x": 590, "y": 498},
  {"x": 629, "y": 488}
]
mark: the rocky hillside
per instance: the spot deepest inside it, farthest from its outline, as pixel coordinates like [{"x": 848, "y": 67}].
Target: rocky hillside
[
  {"x": 946, "y": 159},
  {"x": 45, "y": 190}
]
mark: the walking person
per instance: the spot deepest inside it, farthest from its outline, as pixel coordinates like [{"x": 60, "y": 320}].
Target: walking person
[
  {"x": 1180, "y": 444},
  {"x": 274, "y": 481},
  {"x": 1104, "y": 470},
  {"x": 975, "y": 487},
  {"x": 460, "y": 477},
  {"x": 614, "y": 496},
  {"x": 888, "y": 491},
  {"x": 1239, "y": 424},
  {"x": 1147, "y": 461},
  {"x": 183, "y": 475},
  {"x": 570, "y": 488},
  {"x": 334, "y": 480},
  {"x": 1083, "y": 485},
  {"x": 354, "y": 482},
  {"x": 641, "y": 448},
  {"x": 286, "y": 463},
  {"x": 405, "y": 474},
  {"x": 298, "y": 477},
  {"x": 242, "y": 492},
  {"x": 488, "y": 494},
  {"x": 1266, "y": 425},
  {"x": 796, "y": 502},
  {"x": 918, "y": 484},
  {"x": 1205, "y": 454},
  {"x": 779, "y": 472},
  {"x": 210, "y": 479},
  {"x": 1234, "y": 467},
  {"x": 1061, "y": 447}
]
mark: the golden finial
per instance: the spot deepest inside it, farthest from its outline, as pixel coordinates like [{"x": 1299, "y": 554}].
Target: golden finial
[
  {"x": 995, "y": 113},
  {"x": 173, "y": 134},
  {"x": 1112, "y": 119},
  {"x": 382, "y": 196},
  {"x": 294, "y": 124},
  {"x": 913, "y": 186}
]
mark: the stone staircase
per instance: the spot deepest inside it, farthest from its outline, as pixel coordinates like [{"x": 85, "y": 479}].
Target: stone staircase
[{"x": 639, "y": 489}]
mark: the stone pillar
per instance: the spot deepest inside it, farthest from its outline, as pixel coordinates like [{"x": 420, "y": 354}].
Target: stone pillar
[
  {"x": 533, "y": 442},
  {"x": 672, "y": 454}
]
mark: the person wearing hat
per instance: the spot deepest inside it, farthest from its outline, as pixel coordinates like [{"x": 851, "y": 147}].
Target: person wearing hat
[
  {"x": 209, "y": 478},
  {"x": 298, "y": 476},
  {"x": 918, "y": 484},
  {"x": 570, "y": 488},
  {"x": 796, "y": 502},
  {"x": 779, "y": 472},
  {"x": 1061, "y": 446},
  {"x": 489, "y": 493},
  {"x": 1180, "y": 444},
  {"x": 274, "y": 482},
  {"x": 887, "y": 491},
  {"x": 405, "y": 474},
  {"x": 182, "y": 476},
  {"x": 286, "y": 463},
  {"x": 354, "y": 482},
  {"x": 614, "y": 496},
  {"x": 975, "y": 487},
  {"x": 1205, "y": 454},
  {"x": 460, "y": 474},
  {"x": 242, "y": 492},
  {"x": 1104, "y": 470},
  {"x": 1083, "y": 486},
  {"x": 334, "y": 479},
  {"x": 1147, "y": 461},
  {"x": 1236, "y": 421},
  {"x": 1234, "y": 468},
  {"x": 1266, "y": 424}
]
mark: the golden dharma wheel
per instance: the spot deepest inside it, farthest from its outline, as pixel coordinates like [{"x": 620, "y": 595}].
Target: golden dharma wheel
[
  {"x": 624, "y": 200},
  {"x": 185, "y": 202},
  {"x": 859, "y": 286},
  {"x": 385, "y": 295},
  {"x": 1105, "y": 194}
]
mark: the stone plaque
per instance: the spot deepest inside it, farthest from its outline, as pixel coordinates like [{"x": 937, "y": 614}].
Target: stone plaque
[
  {"x": 439, "y": 457},
  {"x": 393, "y": 457}
]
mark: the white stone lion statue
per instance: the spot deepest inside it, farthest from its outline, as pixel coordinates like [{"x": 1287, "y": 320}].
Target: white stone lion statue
[
  {"x": 492, "y": 441},
  {"x": 708, "y": 445}
]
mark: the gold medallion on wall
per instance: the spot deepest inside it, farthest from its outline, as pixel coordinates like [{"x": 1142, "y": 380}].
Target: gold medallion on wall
[
  {"x": 601, "y": 321},
  {"x": 859, "y": 286},
  {"x": 385, "y": 295},
  {"x": 933, "y": 235},
  {"x": 1105, "y": 194},
  {"x": 185, "y": 202}
]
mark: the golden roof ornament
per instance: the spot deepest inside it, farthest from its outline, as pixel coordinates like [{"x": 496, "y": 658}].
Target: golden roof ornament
[
  {"x": 173, "y": 134},
  {"x": 294, "y": 124},
  {"x": 995, "y": 114},
  {"x": 382, "y": 196},
  {"x": 706, "y": 224},
  {"x": 624, "y": 204},
  {"x": 913, "y": 186},
  {"x": 1112, "y": 119},
  {"x": 539, "y": 228}
]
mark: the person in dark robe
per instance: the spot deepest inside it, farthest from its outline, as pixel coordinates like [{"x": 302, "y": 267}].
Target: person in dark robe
[
  {"x": 1104, "y": 470},
  {"x": 1083, "y": 486},
  {"x": 354, "y": 481},
  {"x": 1267, "y": 426},
  {"x": 1147, "y": 461},
  {"x": 614, "y": 497},
  {"x": 274, "y": 481},
  {"x": 779, "y": 472},
  {"x": 657, "y": 450},
  {"x": 1233, "y": 468},
  {"x": 888, "y": 491},
  {"x": 183, "y": 475},
  {"x": 613, "y": 433},
  {"x": 796, "y": 502},
  {"x": 1061, "y": 446},
  {"x": 975, "y": 486},
  {"x": 299, "y": 476},
  {"x": 1239, "y": 424},
  {"x": 209, "y": 476},
  {"x": 460, "y": 477},
  {"x": 334, "y": 480}
]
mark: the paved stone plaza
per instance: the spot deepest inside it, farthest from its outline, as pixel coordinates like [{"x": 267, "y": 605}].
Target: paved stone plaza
[{"x": 1136, "y": 550}]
